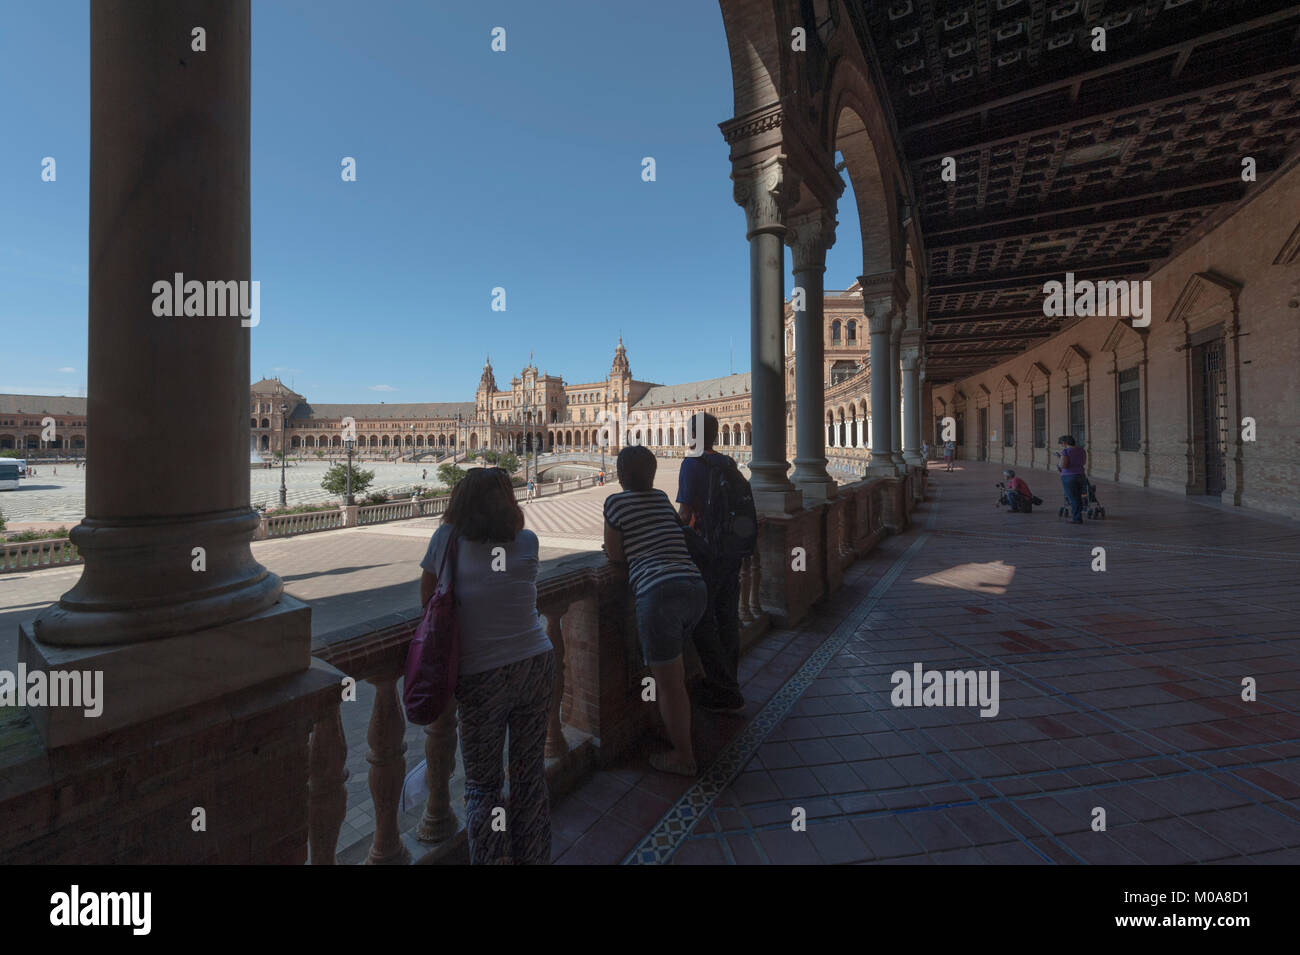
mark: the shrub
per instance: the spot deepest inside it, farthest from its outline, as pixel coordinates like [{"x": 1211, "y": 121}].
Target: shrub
[
  {"x": 336, "y": 479},
  {"x": 450, "y": 475}
]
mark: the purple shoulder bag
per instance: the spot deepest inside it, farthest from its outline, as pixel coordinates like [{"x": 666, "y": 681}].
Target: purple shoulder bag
[{"x": 433, "y": 659}]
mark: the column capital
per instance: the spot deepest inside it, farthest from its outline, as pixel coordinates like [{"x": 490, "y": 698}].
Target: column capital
[
  {"x": 909, "y": 356},
  {"x": 896, "y": 326},
  {"x": 766, "y": 191},
  {"x": 809, "y": 236},
  {"x": 880, "y": 316}
]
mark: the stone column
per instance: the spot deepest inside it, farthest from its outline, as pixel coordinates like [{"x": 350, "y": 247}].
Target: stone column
[
  {"x": 880, "y": 324},
  {"x": 909, "y": 354},
  {"x": 168, "y": 523},
  {"x": 809, "y": 237},
  {"x": 895, "y": 396},
  {"x": 765, "y": 192}
]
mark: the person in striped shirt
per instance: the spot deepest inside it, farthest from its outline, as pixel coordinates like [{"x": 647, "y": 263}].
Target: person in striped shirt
[{"x": 643, "y": 531}]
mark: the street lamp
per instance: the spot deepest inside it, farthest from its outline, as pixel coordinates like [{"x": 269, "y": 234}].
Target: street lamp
[
  {"x": 349, "y": 442},
  {"x": 284, "y": 493}
]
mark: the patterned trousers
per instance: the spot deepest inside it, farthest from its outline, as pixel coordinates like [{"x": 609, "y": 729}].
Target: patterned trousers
[{"x": 516, "y": 697}]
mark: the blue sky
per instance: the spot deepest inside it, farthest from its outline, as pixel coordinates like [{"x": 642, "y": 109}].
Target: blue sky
[{"x": 475, "y": 169}]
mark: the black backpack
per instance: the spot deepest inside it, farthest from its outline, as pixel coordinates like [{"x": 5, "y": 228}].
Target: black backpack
[{"x": 728, "y": 523}]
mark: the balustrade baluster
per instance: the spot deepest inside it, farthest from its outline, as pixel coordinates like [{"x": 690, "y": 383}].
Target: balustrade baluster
[
  {"x": 327, "y": 796},
  {"x": 439, "y": 822},
  {"x": 387, "y": 758},
  {"x": 556, "y": 744}
]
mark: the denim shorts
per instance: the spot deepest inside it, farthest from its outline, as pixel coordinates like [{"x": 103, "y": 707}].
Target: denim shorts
[{"x": 666, "y": 616}]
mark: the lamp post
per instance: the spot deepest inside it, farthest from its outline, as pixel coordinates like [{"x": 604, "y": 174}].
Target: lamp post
[
  {"x": 284, "y": 493},
  {"x": 455, "y": 451},
  {"x": 349, "y": 443}
]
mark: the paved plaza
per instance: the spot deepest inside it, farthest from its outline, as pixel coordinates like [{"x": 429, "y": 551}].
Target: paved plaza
[{"x": 61, "y": 497}]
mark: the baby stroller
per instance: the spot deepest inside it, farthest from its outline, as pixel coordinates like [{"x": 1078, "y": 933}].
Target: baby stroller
[{"x": 1090, "y": 507}]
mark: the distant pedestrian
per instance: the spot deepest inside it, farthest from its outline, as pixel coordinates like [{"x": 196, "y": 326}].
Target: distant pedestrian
[
  {"x": 1072, "y": 462},
  {"x": 949, "y": 449},
  {"x": 532, "y": 488},
  {"x": 424, "y": 474},
  {"x": 925, "y": 451}
]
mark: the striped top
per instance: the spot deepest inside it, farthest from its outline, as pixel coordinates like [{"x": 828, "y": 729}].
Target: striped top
[{"x": 653, "y": 541}]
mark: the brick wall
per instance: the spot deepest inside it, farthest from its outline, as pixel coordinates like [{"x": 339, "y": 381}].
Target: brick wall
[{"x": 1192, "y": 295}]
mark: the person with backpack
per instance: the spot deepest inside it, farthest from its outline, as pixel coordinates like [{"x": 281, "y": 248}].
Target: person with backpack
[
  {"x": 716, "y": 501},
  {"x": 642, "y": 530},
  {"x": 506, "y": 673}
]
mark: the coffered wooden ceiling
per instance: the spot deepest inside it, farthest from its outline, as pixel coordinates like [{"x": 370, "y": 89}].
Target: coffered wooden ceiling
[{"x": 1067, "y": 159}]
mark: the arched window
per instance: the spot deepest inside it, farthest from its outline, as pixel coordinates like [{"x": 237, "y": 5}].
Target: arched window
[
  {"x": 853, "y": 333},
  {"x": 835, "y": 332}
]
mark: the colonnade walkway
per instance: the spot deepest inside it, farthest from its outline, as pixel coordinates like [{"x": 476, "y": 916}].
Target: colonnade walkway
[{"x": 1119, "y": 691}]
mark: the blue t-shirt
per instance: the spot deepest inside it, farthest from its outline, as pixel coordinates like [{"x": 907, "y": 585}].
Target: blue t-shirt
[
  {"x": 693, "y": 483},
  {"x": 496, "y": 599}
]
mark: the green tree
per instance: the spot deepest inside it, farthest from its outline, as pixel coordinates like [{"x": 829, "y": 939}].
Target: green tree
[
  {"x": 508, "y": 461},
  {"x": 320, "y": 453},
  {"x": 336, "y": 479},
  {"x": 450, "y": 475}
]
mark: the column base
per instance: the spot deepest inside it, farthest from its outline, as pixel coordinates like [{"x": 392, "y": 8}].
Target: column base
[
  {"x": 817, "y": 492},
  {"x": 810, "y": 477},
  {"x": 778, "y": 501},
  {"x": 150, "y": 678},
  {"x": 139, "y": 581}
]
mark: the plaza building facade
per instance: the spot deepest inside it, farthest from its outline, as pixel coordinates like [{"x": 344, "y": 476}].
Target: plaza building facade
[{"x": 536, "y": 410}]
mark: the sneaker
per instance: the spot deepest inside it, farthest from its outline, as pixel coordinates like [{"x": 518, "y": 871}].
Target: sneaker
[{"x": 714, "y": 705}]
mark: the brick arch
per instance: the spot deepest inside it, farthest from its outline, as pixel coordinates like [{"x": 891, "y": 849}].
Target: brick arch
[{"x": 757, "y": 45}]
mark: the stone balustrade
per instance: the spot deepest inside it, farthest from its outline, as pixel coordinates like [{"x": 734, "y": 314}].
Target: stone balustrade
[
  {"x": 59, "y": 552},
  {"x": 35, "y": 555},
  {"x": 307, "y": 522}
]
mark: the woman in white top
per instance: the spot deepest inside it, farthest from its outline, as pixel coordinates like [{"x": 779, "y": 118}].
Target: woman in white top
[{"x": 506, "y": 677}]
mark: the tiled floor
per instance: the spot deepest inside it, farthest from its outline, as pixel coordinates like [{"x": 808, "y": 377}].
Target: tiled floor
[{"x": 1120, "y": 691}]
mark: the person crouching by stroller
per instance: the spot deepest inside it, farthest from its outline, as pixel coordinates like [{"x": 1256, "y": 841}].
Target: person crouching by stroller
[
  {"x": 1072, "y": 461},
  {"x": 1016, "y": 494}
]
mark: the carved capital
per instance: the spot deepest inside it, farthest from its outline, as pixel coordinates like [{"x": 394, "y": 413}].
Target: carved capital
[
  {"x": 809, "y": 236},
  {"x": 766, "y": 192},
  {"x": 880, "y": 315},
  {"x": 909, "y": 355}
]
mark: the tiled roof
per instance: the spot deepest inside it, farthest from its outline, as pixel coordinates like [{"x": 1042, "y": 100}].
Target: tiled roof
[
  {"x": 710, "y": 388},
  {"x": 42, "y": 404},
  {"x": 271, "y": 386},
  {"x": 419, "y": 410}
]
